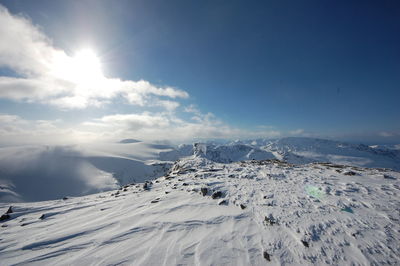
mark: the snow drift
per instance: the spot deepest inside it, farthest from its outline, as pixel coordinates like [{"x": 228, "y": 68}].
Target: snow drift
[{"x": 208, "y": 213}]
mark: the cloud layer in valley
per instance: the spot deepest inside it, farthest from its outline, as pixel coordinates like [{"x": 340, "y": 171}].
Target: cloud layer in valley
[{"x": 41, "y": 173}]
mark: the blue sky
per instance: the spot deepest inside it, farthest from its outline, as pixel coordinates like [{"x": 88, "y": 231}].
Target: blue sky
[{"x": 235, "y": 69}]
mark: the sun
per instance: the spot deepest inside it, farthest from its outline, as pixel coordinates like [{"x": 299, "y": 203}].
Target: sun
[{"x": 84, "y": 68}]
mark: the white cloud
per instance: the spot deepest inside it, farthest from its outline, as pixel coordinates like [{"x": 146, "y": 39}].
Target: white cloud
[
  {"x": 168, "y": 105},
  {"x": 31, "y": 89},
  {"x": 16, "y": 130},
  {"x": 297, "y": 132},
  {"x": 23, "y": 47},
  {"x": 192, "y": 109},
  {"x": 7, "y": 119},
  {"x": 137, "y": 121},
  {"x": 153, "y": 126},
  {"x": 388, "y": 134},
  {"x": 49, "y": 76}
]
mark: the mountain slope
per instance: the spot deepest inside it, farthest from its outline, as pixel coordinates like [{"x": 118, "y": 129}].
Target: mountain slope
[
  {"x": 225, "y": 153},
  {"x": 253, "y": 212},
  {"x": 305, "y": 150},
  {"x": 33, "y": 173}
]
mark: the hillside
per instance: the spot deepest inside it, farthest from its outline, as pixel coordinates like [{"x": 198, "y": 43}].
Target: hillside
[
  {"x": 305, "y": 150},
  {"x": 208, "y": 213},
  {"x": 33, "y": 173}
]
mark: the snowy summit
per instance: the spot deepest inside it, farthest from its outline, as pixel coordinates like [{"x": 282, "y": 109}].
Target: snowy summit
[{"x": 202, "y": 212}]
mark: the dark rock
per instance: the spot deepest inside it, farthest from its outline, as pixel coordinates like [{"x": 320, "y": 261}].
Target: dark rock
[
  {"x": 125, "y": 190},
  {"x": 267, "y": 256},
  {"x": 223, "y": 202},
  {"x": 156, "y": 200},
  {"x": 305, "y": 243},
  {"x": 185, "y": 184},
  {"x": 204, "y": 191},
  {"x": 242, "y": 206},
  {"x": 166, "y": 192},
  {"x": 347, "y": 209},
  {"x": 9, "y": 210},
  {"x": 42, "y": 216},
  {"x": 145, "y": 186},
  {"x": 24, "y": 224},
  {"x": 65, "y": 198},
  {"x": 216, "y": 195},
  {"x": 350, "y": 173},
  {"x": 384, "y": 176},
  {"x": 5, "y": 217},
  {"x": 269, "y": 220}
]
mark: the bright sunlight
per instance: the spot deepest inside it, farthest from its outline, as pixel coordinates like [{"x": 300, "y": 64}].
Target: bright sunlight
[{"x": 84, "y": 68}]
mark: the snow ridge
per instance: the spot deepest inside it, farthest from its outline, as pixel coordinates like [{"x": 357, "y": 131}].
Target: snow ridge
[{"x": 206, "y": 213}]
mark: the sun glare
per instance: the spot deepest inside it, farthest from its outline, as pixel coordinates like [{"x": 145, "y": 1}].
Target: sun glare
[{"x": 84, "y": 68}]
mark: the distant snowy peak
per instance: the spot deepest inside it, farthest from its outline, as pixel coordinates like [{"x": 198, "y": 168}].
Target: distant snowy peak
[
  {"x": 304, "y": 150},
  {"x": 387, "y": 147},
  {"x": 293, "y": 150},
  {"x": 127, "y": 141},
  {"x": 230, "y": 153}
]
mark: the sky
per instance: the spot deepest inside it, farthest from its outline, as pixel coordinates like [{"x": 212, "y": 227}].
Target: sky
[{"x": 82, "y": 71}]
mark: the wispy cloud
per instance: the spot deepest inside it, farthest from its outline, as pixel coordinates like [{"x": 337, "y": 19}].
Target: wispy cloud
[
  {"x": 16, "y": 130},
  {"x": 297, "y": 132},
  {"x": 387, "y": 134}
]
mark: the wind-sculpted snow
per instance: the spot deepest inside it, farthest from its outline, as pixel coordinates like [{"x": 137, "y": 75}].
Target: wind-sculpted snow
[{"x": 206, "y": 213}]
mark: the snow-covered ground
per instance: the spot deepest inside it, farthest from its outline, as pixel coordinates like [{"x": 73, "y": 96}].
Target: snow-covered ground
[
  {"x": 208, "y": 213},
  {"x": 33, "y": 173}
]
